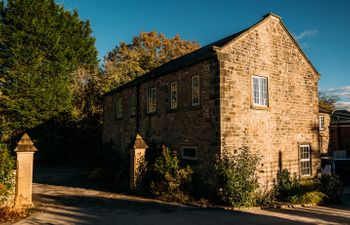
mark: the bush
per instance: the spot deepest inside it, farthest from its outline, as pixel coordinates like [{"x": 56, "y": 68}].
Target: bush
[
  {"x": 288, "y": 187},
  {"x": 236, "y": 181},
  {"x": 166, "y": 178},
  {"x": 291, "y": 189},
  {"x": 313, "y": 197},
  {"x": 6, "y": 176},
  {"x": 332, "y": 187}
]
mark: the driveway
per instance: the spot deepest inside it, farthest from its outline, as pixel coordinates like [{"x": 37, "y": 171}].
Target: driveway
[{"x": 63, "y": 196}]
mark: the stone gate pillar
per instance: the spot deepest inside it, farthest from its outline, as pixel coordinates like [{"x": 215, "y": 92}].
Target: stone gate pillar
[
  {"x": 24, "y": 178},
  {"x": 136, "y": 155}
]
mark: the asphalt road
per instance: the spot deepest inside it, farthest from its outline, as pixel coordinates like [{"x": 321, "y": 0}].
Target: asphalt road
[{"x": 63, "y": 196}]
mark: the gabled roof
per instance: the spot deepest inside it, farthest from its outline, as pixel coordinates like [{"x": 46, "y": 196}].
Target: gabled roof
[{"x": 200, "y": 55}]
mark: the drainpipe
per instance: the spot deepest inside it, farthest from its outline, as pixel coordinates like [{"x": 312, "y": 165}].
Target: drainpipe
[{"x": 138, "y": 102}]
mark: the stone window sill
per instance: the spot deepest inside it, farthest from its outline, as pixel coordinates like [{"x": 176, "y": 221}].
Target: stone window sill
[{"x": 260, "y": 107}]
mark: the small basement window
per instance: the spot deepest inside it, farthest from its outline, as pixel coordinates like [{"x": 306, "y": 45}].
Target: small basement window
[{"x": 189, "y": 153}]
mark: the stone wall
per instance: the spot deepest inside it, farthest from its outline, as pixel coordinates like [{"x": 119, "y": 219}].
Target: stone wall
[
  {"x": 291, "y": 116},
  {"x": 325, "y": 134},
  {"x": 185, "y": 126}
]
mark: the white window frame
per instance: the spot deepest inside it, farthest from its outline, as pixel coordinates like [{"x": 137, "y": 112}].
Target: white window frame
[
  {"x": 187, "y": 157},
  {"x": 305, "y": 160},
  {"x": 133, "y": 105},
  {"x": 152, "y": 100},
  {"x": 262, "y": 98},
  {"x": 321, "y": 123},
  {"x": 173, "y": 93},
  {"x": 118, "y": 107},
  {"x": 193, "y": 91}
]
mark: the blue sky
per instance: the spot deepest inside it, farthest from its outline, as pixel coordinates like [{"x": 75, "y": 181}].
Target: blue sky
[{"x": 321, "y": 27}]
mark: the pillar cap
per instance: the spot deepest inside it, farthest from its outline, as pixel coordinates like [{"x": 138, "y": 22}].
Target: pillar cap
[
  {"x": 25, "y": 145},
  {"x": 139, "y": 142}
]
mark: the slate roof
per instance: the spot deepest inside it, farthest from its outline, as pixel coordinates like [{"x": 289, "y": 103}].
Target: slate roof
[{"x": 342, "y": 115}]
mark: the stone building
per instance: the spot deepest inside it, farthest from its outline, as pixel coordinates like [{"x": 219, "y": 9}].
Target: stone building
[
  {"x": 255, "y": 88},
  {"x": 340, "y": 134}
]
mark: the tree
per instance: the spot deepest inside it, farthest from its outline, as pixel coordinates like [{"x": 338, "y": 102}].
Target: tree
[
  {"x": 327, "y": 101},
  {"x": 146, "y": 52},
  {"x": 43, "y": 47}
]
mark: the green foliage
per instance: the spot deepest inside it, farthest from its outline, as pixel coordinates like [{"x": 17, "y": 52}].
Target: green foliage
[
  {"x": 310, "y": 197},
  {"x": 291, "y": 189},
  {"x": 287, "y": 186},
  {"x": 64, "y": 141},
  {"x": 236, "y": 181},
  {"x": 146, "y": 52},
  {"x": 332, "y": 187},
  {"x": 43, "y": 45},
  {"x": 166, "y": 178},
  {"x": 6, "y": 176}
]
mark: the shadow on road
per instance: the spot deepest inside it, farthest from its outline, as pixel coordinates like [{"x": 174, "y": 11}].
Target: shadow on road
[
  {"x": 65, "y": 196},
  {"x": 80, "y": 209},
  {"x": 69, "y": 177}
]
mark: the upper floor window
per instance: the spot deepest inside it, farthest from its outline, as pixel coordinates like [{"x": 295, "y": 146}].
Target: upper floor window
[
  {"x": 321, "y": 123},
  {"x": 118, "y": 108},
  {"x": 152, "y": 100},
  {"x": 305, "y": 160},
  {"x": 195, "y": 91},
  {"x": 260, "y": 93},
  {"x": 173, "y": 95},
  {"x": 133, "y": 105}
]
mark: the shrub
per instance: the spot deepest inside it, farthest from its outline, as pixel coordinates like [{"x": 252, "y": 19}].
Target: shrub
[
  {"x": 288, "y": 187},
  {"x": 291, "y": 189},
  {"x": 313, "y": 197},
  {"x": 6, "y": 176},
  {"x": 166, "y": 178},
  {"x": 236, "y": 181},
  {"x": 332, "y": 187}
]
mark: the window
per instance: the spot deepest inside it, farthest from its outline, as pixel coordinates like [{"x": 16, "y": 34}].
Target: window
[
  {"x": 118, "y": 108},
  {"x": 321, "y": 124},
  {"x": 152, "y": 100},
  {"x": 195, "y": 92},
  {"x": 173, "y": 95},
  {"x": 260, "y": 93},
  {"x": 189, "y": 153},
  {"x": 305, "y": 162},
  {"x": 133, "y": 105}
]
